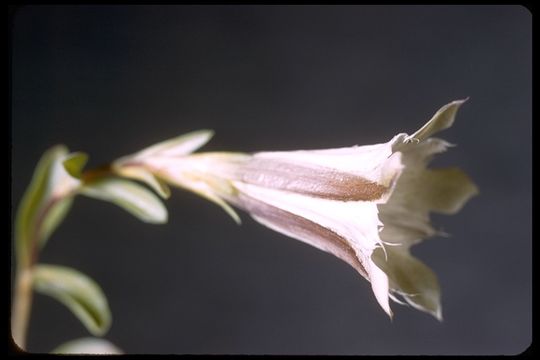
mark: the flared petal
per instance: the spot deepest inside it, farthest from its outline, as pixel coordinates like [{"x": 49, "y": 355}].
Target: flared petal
[
  {"x": 355, "y": 221},
  {"x": 443, "y": 119},
  {"x": 410, "y": 278},
  {"x": 304, "y": 230},
  {"x": 323, "y": 238},
  {"x": 445, "y": 190},
  {"x": 418, "y": 191},
  {"x": 380, "y": 286}
]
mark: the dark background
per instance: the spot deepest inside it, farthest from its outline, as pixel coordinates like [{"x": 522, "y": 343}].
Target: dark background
[{"x": 110, "y": 80}]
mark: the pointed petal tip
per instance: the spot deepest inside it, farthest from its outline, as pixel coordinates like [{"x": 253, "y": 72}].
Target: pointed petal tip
[
  {"x": 461, "y": 101},
  {"x": 443, "y": 119},
  {"x": 439, "y": 316},
  {"x": 390, "y": 315},
  {"x": 436, "y": 313},
  {"x": 468, "y": 190},
  {"x": 379, "y": 285}
]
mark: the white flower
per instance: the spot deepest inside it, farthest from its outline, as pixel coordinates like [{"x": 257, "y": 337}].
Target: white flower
[{"x": 364, "y": 204}]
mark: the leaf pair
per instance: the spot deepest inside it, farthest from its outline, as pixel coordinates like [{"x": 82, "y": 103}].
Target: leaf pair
[
  {"x": 56, "y": 181},
  {"x": 58, "y": 178}
]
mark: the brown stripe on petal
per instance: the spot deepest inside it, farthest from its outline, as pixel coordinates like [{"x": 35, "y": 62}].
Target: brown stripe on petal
[
  {"x": 302, "y": 229},
  {"x": 314, "y": 181}
]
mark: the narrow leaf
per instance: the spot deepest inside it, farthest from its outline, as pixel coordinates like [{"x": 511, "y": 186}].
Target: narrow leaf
[
  {"x": 62, "y": 186},
  {"x": 142, "y": 174},
  {"x": 32, "y": 200},
  {"x": 76, "y": 291},
  {"x": 87, "y": 346},
  {"x": 54, "y": 217},
  {"x": 130, "y": 196}
]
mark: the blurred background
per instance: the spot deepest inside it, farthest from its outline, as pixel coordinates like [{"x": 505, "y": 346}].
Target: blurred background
[{"x": 110, "y": 80}]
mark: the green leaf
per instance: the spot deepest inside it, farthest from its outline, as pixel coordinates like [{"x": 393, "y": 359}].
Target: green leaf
[
  {"x": 130, "y": 196},
  {"x": 74, "y": 163},
  {"x": 76, "y": 291},
  {"x": 54, "y": 217},
  {"x": 33, "y": 201},
  {"x": 87, "y": 346},
  {"x": 47, "y": 199},
  {"x": 63, "y": 184},
  {"x": 142, "y": 174}
]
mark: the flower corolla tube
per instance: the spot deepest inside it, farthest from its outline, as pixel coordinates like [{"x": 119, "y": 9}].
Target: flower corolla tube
[{"x": 366, "y": 205}]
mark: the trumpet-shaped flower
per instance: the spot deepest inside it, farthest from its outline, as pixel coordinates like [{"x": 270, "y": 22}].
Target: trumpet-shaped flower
[{"x": 367, "y": 205}]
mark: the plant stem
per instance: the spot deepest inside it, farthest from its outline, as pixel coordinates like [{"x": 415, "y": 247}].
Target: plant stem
[
  {"x": 27, "y": 257},
  {"x": 22, "y": 298},
  {"x": 22, "y": 303}
]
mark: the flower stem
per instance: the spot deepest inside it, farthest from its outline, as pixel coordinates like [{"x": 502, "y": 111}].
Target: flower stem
[
  {"x": 22, "y": 297},
  {"x": 22, "y": 304}
]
